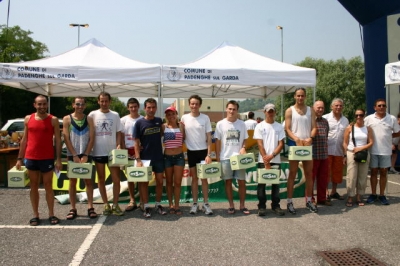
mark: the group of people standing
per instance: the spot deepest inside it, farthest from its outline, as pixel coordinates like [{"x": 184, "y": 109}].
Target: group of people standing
[
  {"x": 335, "y": 143},
  {"x": 92, "y": 137}
]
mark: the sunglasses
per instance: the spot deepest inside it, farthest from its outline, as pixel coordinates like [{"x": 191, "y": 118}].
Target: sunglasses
[
  {"x": 381, "y": 105},
  {"x": 359, "y": 115},
  {"x": 80, "y": 104}
]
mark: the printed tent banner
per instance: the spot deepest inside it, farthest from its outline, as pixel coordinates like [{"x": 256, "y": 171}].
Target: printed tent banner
[
  {"x": 85, "y": 71},
  {"x": 392, "y": 73},
  {"x": 229, "y": 71}
]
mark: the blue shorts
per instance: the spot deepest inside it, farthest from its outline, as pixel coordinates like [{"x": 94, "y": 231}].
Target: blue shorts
[
  {"x": 171, "y": 160},
  {"x": 228, "y": 173},
  {"x": 43, "y": 166},
  {"x": 290, "y": 142},
  {"x": 157, "y": 166},
  {"x": 100, "y": 159},
  {"x": 380, "y": 161}
]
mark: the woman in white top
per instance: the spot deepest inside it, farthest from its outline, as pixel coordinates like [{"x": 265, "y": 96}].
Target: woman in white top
[
  {"x": 357, "y": 172},
  {"x": 174, "y": 160}
]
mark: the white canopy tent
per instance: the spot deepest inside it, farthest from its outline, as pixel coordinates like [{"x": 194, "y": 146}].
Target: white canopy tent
[
  {"x": 229, "y": 71},
  {"x": 85, "y": 71}
]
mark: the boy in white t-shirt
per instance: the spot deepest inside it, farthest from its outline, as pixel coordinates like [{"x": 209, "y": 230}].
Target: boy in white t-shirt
[
  {"x": 231, "y": 135},
  {"x": 128, "y": 122},
  {"x": 269, "y": 135}
]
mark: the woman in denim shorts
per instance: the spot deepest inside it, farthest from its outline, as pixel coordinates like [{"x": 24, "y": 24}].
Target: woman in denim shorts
[{"x": 174, "y": 160}]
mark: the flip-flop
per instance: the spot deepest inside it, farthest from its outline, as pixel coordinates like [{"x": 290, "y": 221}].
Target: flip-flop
[
  {"x": 178, "y": 212},
  {"x": 231, "y": 210},
  {"x": 360, "y": 203},
  {"x": 34, "y": 221},
  {"x": 54, "y": 220},
  {"x": 349, "y": 204},
  {"x": 245, "y": 211},
  {"x": 172, "y": 210}
]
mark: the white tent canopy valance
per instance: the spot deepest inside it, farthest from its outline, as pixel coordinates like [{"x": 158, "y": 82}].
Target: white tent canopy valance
[
  {"x": 229, "y": 71},
  {"x": 392, "y": 73},
  {"x": 85, "y": 71}
]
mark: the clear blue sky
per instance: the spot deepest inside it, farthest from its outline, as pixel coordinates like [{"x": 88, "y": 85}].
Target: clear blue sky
[{"x": 175, "y": 32}]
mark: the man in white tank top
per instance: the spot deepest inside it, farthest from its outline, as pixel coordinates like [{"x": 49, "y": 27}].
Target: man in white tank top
[{"x": 300, "y": 129}]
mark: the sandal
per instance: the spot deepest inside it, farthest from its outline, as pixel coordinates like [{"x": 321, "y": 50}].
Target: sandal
[
  {"x": 245, "y": 211},
  {"x": 360, "y": 203},
  {"x": 131, "y": 206},
  {"x": 72, "y": 214},
  {"x": 178, "y": 212},
  {"x": 54, "y": 220},
  {"x": 336, "y": 196},
  {"x": 231, "y": 210},
  {"x": 91, "y": 213},
  {"x": 172, "y": 210},
  {"x": 34, "y": 221},
  {"x": 349, "y": 203}
]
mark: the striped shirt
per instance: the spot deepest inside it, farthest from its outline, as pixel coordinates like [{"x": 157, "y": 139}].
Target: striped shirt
[{"x": 173, "y": 138}]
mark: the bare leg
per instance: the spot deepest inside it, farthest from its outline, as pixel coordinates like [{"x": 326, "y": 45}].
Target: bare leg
[
  {"x": 195, "y": 184},
  {"x": 178, "y": 173},
  {"x": 293, "y": 167},
  {"x": 374, "y": 180},
  {"x": 101, "y": 176},
  {"x": 169, "y": 176},
  {"x": 48, "y": 186},
  {"x": 242, "y": 193},
  {"x": 34, "y": 177},
  {"x": 72, "y": 192},
  {"x": 229, "y": 192},
  {"x": 382, "y": 181},
  {"x": 159, "y": 186},
  {"x": 89, "y": 192},
  {"x": 116, "y": 184}
]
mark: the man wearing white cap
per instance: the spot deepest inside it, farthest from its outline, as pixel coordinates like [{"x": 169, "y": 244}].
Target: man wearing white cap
[{"x": 269, "y": 135}]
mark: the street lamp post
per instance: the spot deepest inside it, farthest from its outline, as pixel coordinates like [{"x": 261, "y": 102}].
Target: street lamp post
[
  {"x": 281, "y": 29},
  {"x": 79, "y": 28}
]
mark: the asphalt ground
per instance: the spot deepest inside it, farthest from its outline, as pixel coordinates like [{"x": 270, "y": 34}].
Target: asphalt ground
[{"x": 220, "y": 239}]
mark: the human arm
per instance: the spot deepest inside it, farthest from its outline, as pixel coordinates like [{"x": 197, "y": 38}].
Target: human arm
[
  {"x": 57, "y": 138},
  {"x": 243, "y": 148},
  {"x": 346, "y": 137},
  {"x": 218, "y": 148},
  {"x": 308, "y": 141},
  {"x": 92, "y": 136},
  {"x": 22, "y": 144},
  {"x": 209, "y": 142}
]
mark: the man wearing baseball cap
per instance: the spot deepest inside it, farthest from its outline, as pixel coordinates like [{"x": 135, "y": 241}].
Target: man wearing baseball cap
[{"x": 269, "y": 135}]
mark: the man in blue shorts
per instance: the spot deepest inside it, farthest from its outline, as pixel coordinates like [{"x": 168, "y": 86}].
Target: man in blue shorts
[{"x": 147, "y": 136}]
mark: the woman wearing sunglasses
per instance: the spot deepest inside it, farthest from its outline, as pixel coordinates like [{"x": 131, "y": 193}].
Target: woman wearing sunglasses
[{"x": 356, "y": 171}]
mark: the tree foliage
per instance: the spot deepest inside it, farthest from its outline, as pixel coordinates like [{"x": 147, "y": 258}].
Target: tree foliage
[
  {"x": 342, "y": 78},
  {"x": 253, "y": 104}
]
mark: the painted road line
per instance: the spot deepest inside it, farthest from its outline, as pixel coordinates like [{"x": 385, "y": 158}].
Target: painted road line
[
  {"x": 80, "y": 254},
  {"x": 46, "y": 227}
]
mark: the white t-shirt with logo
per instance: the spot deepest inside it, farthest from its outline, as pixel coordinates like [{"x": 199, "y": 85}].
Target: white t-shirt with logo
[
  {"x": 232, "y": 136},
  {"x": 270, "y": 134},
  {"x": 128, "y": 123},
  {"x": 106, "y": 127}
]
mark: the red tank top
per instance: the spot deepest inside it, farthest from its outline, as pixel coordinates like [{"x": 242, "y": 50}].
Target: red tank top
[{"x": 40, "y": 139}]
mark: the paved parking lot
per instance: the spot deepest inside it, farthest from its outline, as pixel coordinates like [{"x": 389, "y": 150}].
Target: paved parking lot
[{"x": 220, "y": 239}]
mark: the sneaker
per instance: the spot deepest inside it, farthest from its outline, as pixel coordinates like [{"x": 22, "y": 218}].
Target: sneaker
[
  {"x": 279, "y": 211},
  {"x": 116, "y": 210},
  {"x": 393, "y": 171},
  {"x": 207, "y": 209},
  {"x": 107, "y": 209},
  {"x": 290, "y": 208},
  {"x": 372, "y": 198},
  {"x": 383, "y": 200},
  {"x": 194, "y": 208},
  {"x": 311, "y": 207},
  {"x": 147, "y": 212},
  {"x": 262, "y": 212},
  {"x": 160, "y": 210}
]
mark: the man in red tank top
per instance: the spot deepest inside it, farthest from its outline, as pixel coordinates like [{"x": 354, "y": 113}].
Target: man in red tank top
[{"x": 37, "y": 148}]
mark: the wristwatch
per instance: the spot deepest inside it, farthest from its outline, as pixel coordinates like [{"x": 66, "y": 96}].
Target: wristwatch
[{"x": 274, "y": 154}]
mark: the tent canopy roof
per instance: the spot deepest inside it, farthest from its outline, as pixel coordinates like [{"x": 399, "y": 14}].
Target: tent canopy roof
[
  {"x": 85, "y": 71},
  {"x": 229, "y": 71}
]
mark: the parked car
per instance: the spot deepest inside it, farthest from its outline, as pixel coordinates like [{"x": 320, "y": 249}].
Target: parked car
[{"x": 17, "y": 124}]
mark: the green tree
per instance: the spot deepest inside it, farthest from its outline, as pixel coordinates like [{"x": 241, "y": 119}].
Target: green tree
[
  {"x": 16, "y": 45},
  {"x": 335, "y": 79}
]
